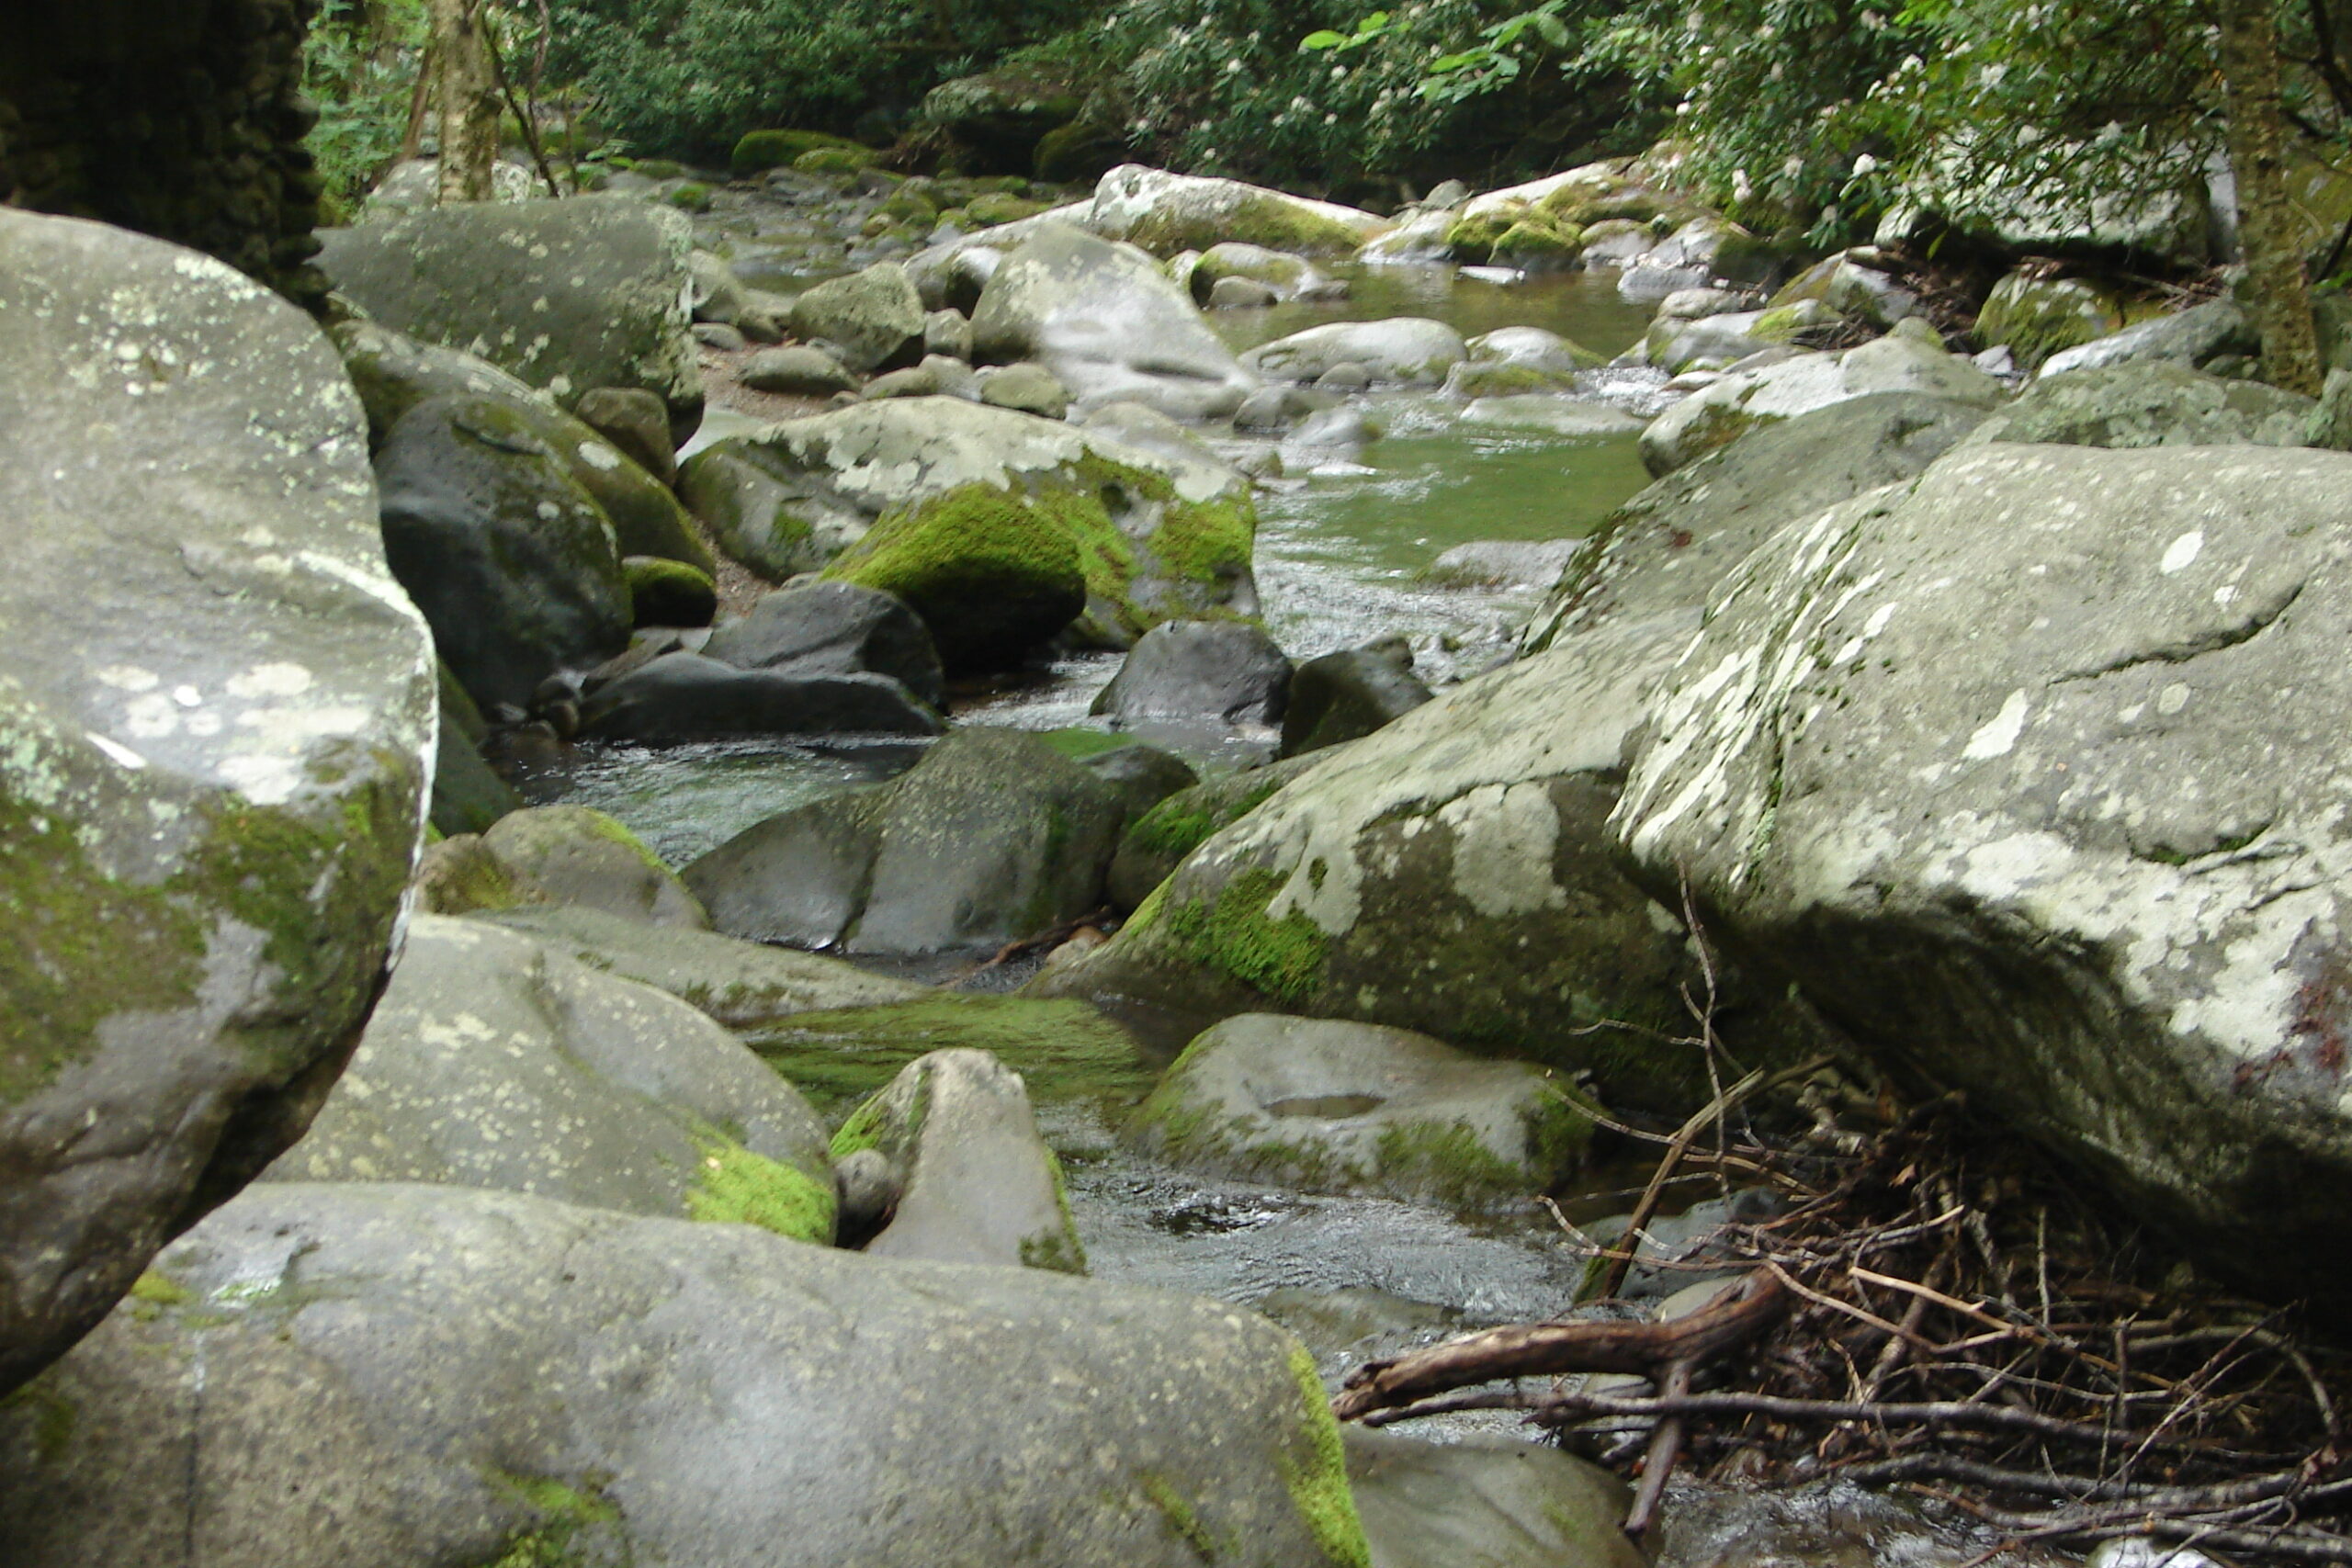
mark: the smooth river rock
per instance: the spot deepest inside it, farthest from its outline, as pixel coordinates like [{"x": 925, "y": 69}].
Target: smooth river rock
[{"x": 216, "y": 730}]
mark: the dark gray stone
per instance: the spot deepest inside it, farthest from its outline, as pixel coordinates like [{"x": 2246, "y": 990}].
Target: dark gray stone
[
  {"x": 800, "y": 370},
  {"x": 1347, "y": 696},
  {"x": 1485, "y": 1502},
  {"x": 685, "y": 696},
  {"x": 635, "y": 420},
  {"x": 1143, "y": 776},
  {"x": 993, "y": 837},
  {"x": 1229, "y": 671},
  {"x": 834, "y": 629},
  {"x": 387, "y": 1376},
  {"x": 213, "y": 755},
  {"x": 576, "y": 855}
]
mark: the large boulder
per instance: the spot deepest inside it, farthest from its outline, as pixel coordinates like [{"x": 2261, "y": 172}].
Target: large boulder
[
  {"x": 514, "y": 564},
  {"x": 1485, "y": 1501},
  {"x": 1668, "y": 547},
  {"x": 743, "y": 984},
  {"x": 684, "y": 697},
  {"x": 1158, "y": 842},
  {"x": 2035, "y": 317},
  {"x": 1165, "y": 213},
  {"x": 1411, "y": 351},
  {"x": 2029, "y": 778},
  {"x": 495, "y": 1062},
  {"x": 1331, "y": 1106},
  {"x": 976, "y": 1183},
  {"x": 871, "y": 318},
  {"x": 1001, "y": 116},
  {"x": 567, "y": 295},
  {"x": 2196, "y": 336},
  {"x": 1451, "y": 874},
  {"x": 576, "y": 855},
  {"x": 2149, "y": 402},
  {"x": 1000, "y": 528},
  {"x": 217, "y": 733},
  {"x": 994, "y": 837},
  {"x": 755, "y": 512},
  {"x": 1225, "y": 672},
  {"x": 1347, "y": 696},
  {"x": 1719, "y": 415},
  {"x": 387, "y": 1376},
  {"x": 1109, "y": 324},
  {"x": 834, "y": 629}
]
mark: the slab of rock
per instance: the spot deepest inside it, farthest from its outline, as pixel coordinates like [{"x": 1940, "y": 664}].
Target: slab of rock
[
  {"x": 2149, "y": 402},
  {"x": 1670, "y": 546},
  {"x": 495, "y": 1062},
  {"x": 873, "y": 318},
  {"x": 1331, "y": 1106},
  {"x": 976, "y": 1183},
  {"x": 1451, "y": 874},
  {"x": 800, "y": 370},
  {"x": 418, "y": 1377},
  {"x": 1575, "y": 419},
  {"x": 512, "y": 562},
  {"x": 579, "y": 856},
  {"x": 1226, "y": 670},
  {"x": 1347, "y": 696},
  {"x": 2113, "y": 675},
  {"x": 1744, "y": 400},
  {"x": 834, "y": 628},
  {"x": 217, "y": 750},
  {"x": 1408, "y": 351},
  {"x": 568, "y": 295},
  {"x": 993, "y": 837},
  {"x": 1485, "y": 1502},
  {"x": 1109, "y": 324},
  {"x": 743, "y": 984},
  {"x": 1504, "y": 563},
  {"x": 685, "y": 696},
  {"x": 1165, "y": 213},
  {"x": 2195, "y": 336}
]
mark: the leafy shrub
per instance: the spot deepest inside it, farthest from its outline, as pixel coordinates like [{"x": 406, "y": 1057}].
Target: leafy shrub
[{"x": 359, "y": 66}]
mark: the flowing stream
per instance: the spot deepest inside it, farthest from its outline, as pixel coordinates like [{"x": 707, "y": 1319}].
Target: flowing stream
[{"x": 1342, "y": 554}]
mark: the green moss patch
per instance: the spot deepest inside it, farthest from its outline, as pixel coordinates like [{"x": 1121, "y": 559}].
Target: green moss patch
[
  {"x": 1282, "y": 957},
  {"x": 760, "y": 150},
  {"x": 1183, "y": 1520},
  {"x": 1065, "y": 1050},
  {"x": 574, "y": 1526},
  {"x": 1316, "y": 1470},
  {"x": 1078, "y": 745},
  {"x": 735, "y": 1186}
]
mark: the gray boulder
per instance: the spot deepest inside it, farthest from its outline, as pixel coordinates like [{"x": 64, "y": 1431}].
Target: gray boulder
[
  {"x": 417, "y": 1376},
  {"x": 685, "y": 696},
  {"x": 413, "y": 184},
  {"x": 1450, "y": 874},
  {"x": 1242, "y": 294},
  {"x": 756, "y": 512},
  {"x": 994, "y": 837},
  {"x": 2035, "y": 317},
  {"x": 1282, "y": 273},
  {"x": 976, "y": 1182},
  {"x": 1025, "y": 388},
  {"x": 1165, "y": 213},
  {"x": 799, "y": 370},
  {"x": 567, "y": 295},
  {"x": 2149, "y": 402},
  {"x": 514, "y": 564},
  {"x": 2027, "y": 776},
  {"x": 1485, "y": 1502},
  {"x": 874, "y": 318},
  {"x": 1668, "y": 548},
  {"x": 577, "y": 856},
  {"x": 1142, "y": 775},
  {"x": 494, "y": 1061},
  {"x": 743, "y": 984},
  {"x": 1504, "y": 563},
  {"x": 633, "y": 420},
  {"x": 1226, "y": 670},
  {"x": 834, "y": 629},
  {"x": 1745, "y": 400},
  {"x": 217, "y": 752},
  {"x": 2195, "y": 336},
  {"x": 1337, "y": 1107},
  {"x": 1347, "y": 696},
  {"x": 1109, "y": 324},
  {"x": 1405, "y": 350}
]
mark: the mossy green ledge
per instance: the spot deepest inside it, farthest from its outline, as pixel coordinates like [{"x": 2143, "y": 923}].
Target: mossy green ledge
[
  {"x": 980, "y": 516},
  {"x": 213, "y": 760}
]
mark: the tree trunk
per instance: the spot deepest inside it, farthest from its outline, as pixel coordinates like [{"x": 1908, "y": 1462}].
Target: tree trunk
[
  {"x": 2257, "y": 139},
  {"x": 468, "y": 90}
]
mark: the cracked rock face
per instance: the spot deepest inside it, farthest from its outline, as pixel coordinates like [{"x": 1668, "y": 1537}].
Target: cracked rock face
[
  {"x": 213, "y": 756},
  {"x": 2034, "y": 775}
]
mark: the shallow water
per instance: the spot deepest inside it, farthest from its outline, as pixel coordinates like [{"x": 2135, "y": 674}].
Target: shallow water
[{"x": 685, "y": 801}]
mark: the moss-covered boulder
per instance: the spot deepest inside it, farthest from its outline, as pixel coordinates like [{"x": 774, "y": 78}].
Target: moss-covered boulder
[
  {"x": 1332, "y": 1106},
  {"x": 468, "y": 793},
  {"x": 1165, "y": 213},
  {"x": 1452, "y": 874},
  {"x": 760, "y": 150},
  {"x": 400, "y": 1376},
  {"x": 976, "y": 1182},
  {"x": 1156, "y": 843},
  {"x": 668, "y": 592},
  {"x": 2036, "y": 316},
  {"x": 1001, "y": 528},
  {"x": 993, "y": 837},
  {"x": 998, "y": 118},
  {"x": 567, "y": 295},
  {"x": 576, "y": 855},
  {"x": 495, "y": 1062},
  {"x": 215, "y": 738},
  {"x": 1065, "y": 1052},
  {"x": 512, "y": 562}
]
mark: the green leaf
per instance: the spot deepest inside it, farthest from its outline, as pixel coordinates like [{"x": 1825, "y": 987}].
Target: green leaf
[
  {"x": 1452, "y": 62},
  {"x": 1321, "y": 39},
  {"x": 1554, "y": 31}
]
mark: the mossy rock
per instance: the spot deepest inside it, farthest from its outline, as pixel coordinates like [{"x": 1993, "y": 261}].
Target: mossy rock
[
  {"x": 1538, "y": 244},
  {"x": 1161, "y": 838},
  {"x": 989, "y": 211},
  {"x": 848, "y": 159},
  {"x": 2035, "y": 318},
  {"x": 1500, "y": 379},
  {"x": 1065, "y": 1050},
  {"x": 760, "y": 150},
  {"x": 691, "y": 196},
  {"x": 1473, "y": 237},
  {"x": 993, "y": 572},
  {"x": 668, "y": 592}
]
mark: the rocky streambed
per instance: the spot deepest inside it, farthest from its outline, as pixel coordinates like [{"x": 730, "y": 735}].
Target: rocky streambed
[{"x": 1052, "y": 813}]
